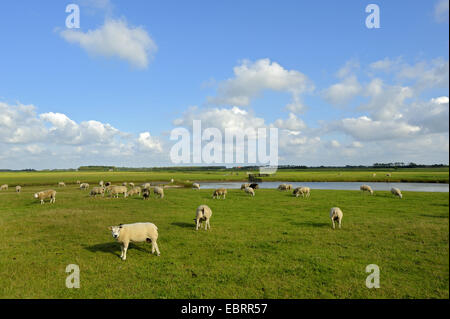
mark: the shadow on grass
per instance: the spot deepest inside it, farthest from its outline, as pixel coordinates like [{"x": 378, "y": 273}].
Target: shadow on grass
[
  {"x": 311, "y": 224},
  {"x": 184, "y": 225},
  {"x": 434, "y": 216},
  {"x": 112, "y": 248}
]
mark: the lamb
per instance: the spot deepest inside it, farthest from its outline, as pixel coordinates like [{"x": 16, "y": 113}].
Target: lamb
[
  {"x": 146, "y": 193},
  {"x": 304, "y": 191},
  {"x": 336, "y": 215},
  {"x": 4, "y": 187},
  {"x": 396, "y": 192},
  {"x": 196, "y": 186},
  {"x": 61, "y": 184},
  {"x": 203, "y": 214},
  {"x": 84, "y": 186},
  {"x": 114, "y": 191},
  {"x": 137, "y": 232},
  {"x": 366, "y": 188},
  {"x": 97, "y": 191},
  {"x": 250, "y": 191},
  {"x": 45, "y": 195},
  {"x": 219, "y": 192},
  {"x": 159, "y": 191},
  {"x": 244, "y": 186},
  {"x": 18, "y": 189},
  {"x": 134, "y": 190},
  {"x": 254, "y": 186}
]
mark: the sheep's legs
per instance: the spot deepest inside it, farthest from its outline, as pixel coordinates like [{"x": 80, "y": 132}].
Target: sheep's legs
[
  {"x": 332, "y": 220},
  {"x": 155, "y": 247},
  {"x": 339, "y": 224},
  {"x": 124, "y": 251}
]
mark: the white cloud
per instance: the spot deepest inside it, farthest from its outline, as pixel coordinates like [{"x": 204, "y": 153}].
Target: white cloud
[
  {"x": 343, "y": 92},
  {"x": 441, "y": 11},
  {"x": 292, "y": 123},
  {"x": 115, "y": 39},
  {"x": 147, "y": 142}
]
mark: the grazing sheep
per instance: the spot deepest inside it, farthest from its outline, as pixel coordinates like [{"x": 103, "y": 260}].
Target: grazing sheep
[
  {"x": 250, "y": 191},
  {"x": 196, "y": 186},
  {"x": 45, "y": 195},
  {"x": 137, "y": 232},
  {"x": 374, "y": 174},
  {"x": 134, "y": 191},
  {"x": 131, "y": 184},
  {"x": 108, "y": 184},
  {"x": 171, "y": 180},
  {"x": 219, "y": 192},
  {"x": 18, "y": 189},
  {"x": 203, "y": 215},
  {"x": 366, "y": 188},
  {"x": 114, "y": 191},
  {"x": 84, "y": 186},
  {"x": 78, "y": 182},
  {"x": 289, "y": 187},
  {"x": 124, "y": 184},
  {"x": 336, "y": 215},
  {"x": 4, "y": 187},
  {"x": 304, "y": 191},
  {"x": 146, "y": 193},
  {"x": 61, "y": 184},
  {"x": 146, "y": 186},
  {"x": 101, "y": 183},
  {"x": 254, "y": 186},
  {"x": 388, "y": 175},
  {"x": 396, "y": 192},
  {"x": 97, "y": 191},
  {"x": 244, "y": 186},
  {"x": 159, "y": 191}
]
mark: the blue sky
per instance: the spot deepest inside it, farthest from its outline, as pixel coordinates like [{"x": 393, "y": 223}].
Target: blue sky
[{"x": 199, "y": 43}]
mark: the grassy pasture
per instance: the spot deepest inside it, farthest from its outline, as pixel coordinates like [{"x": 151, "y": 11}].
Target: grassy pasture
[{"x": 270, "y": 246}]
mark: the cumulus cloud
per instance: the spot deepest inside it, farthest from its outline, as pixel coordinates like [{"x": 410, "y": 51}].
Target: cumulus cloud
[
  {"x": 115, "y": 39},
  {"x": 441, "y": 11},
  {"x": 147, "y": 142},
  {"x": 343, "y": 92},
  {"x": 252, "y": 78}
]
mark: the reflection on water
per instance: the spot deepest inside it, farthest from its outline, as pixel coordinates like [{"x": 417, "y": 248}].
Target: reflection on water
[{"x": 380, "y": 186}]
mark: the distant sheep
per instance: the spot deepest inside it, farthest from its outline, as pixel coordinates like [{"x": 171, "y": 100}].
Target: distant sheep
[
  {"x": 374, "y": 174},
  {"x": 366, "y": 188},
  {"x": 108, "y": 184},
  {"x": 388, "y": 175},
  {"x": 97, "y": 191},
  {"x": 131, "y": 184},
  {"x": 285, "y": 187},
  {"x": 124, "y": 184},
  {"x": 137, "y": 232},
  {"x": 250, "y": 191},
  {"x": 304, "y": 191},
  {"x": 78, "y": 182},
  {"x": 84, "y": 186},
  {"x": 159, "y": 191},
  {"x": 203, "y": 214},
  {"x": 396, "y": 192},
  {"x": 254, "y": 186},
  {"x": 171, "y": 180},
  {"x": 48, "y": 194},
  {"x": 146, "y": 186},
  {"x": 244, "y": 186},
  {"x": 336, "y": 215},
  {"x": 219, "y": 192},
  {"x": 61, "y": 184},
  {"x": 196, "y": 186},
  {"x": 115, "y": 191},
  {"x": 18, "y": 189},
  {"x": 101, "y": 183},
  {"x": 146, "y": 193},
  {"x": 4, "y": 187},
  {"x": 134, "y": 191}
]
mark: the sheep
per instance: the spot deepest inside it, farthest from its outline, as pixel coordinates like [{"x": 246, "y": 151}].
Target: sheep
[
  {"x": 374, "y": 174},
  {"x": 304, "y": 191},
  {"x": 45, "y": 195},
  {"x": 124, "y": 184},
  {"x": 78, "y": 182},
  {"x": 289, "y": 186},
  {"x": 101, "y": 183},
  {"x": 107, "y": 184},
  {"x": 159, "y": 191},
  {"x": 250, "y": 191},
  {"x": 18, "y": 189},
  {"x": 203, "y": 214},
  {"x": 396, "y": 192},
  {"x": 171, "y": 180},
  {"x": 366, "y": 188},
  {"x": 146, "y": 186},
  {"x": 219, "y": 192},
  {"x": 114, "y": 191},
  {"x": 61, "y": 184},
  {"x": 134, "y": 190},
  {"x": 336, "y": 214},
  {"x": 97, "y": 191},
  {"x": 131, "y": 184},
  {"x": 254, "y": 186},
  {"x": 4, "y": 187},
  {"x": 146, "y": 193},
  {"x": 196, "y": 186},
  {"x": 137, "y": 232},
  {"x": 388, "y": 175},
  {"x": 282, "y": 187},
  {"x": 244, "y": 186},
  {"x": 84, "y": 186}
]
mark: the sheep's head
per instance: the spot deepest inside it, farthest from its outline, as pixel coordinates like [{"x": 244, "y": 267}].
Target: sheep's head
[
  {"x": 36, "y": 195},
  {"x": 115, "y": 231}
]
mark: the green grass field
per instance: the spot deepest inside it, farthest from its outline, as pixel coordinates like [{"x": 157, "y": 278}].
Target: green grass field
[{"x": 270, "y": 246}]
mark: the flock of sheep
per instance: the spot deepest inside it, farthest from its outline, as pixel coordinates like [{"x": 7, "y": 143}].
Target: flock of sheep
[{"x": 140, "y": 232}]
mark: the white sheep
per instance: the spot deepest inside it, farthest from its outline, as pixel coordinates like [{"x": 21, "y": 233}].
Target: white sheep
[
  {"x": 137, "y": 232},
  {"x": 244, "y": 186},
  {"x": 124, "y": 184},
  {"x": 78, "y": 182},
  {"x": 282, "y": 187},
  {"x": 196, "y": 186},
  {"x": 45, "y": 195},
  {"x": 250, "y": 191},
  {"x": 134, "y": 191},
  {"x": 108, "y": 184},
  {"x": 4, "y": 187},
  {"x": 18, "y": 189},
  {"x": 84, "y": 186},
  {"x": 159, "y": 191},
  {"x": 101, "y": 183},
  {"x": 219, "y": 192},
  {"x": 114, "y": 191},
  {"x": 388, "y": 175},
  {"x": 146, "y": 186},
  {"x": 336, "y": 215},
  {"x": 131, "y": 184},
  {"x": 204, "y": 214},
  {"x": 97, "y": 191},
  {"x": 396, "y": 192},
  {"x": 366, "y": 188},
  {"x": 374, "y": 174},
  {"x": 61, "y": 184},
  {"x": 304, "y": 191}
]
